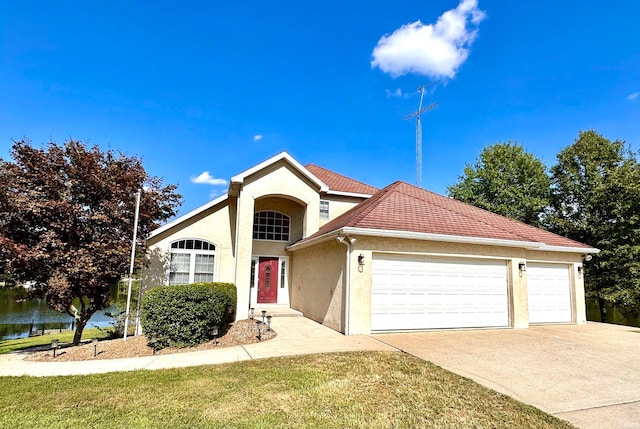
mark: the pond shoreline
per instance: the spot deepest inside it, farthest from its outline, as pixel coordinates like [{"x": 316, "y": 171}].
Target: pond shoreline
[{"x": 20, "y": 315}]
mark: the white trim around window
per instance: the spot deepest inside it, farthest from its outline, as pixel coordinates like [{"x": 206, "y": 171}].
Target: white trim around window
[{"x": 191, "y": 260}]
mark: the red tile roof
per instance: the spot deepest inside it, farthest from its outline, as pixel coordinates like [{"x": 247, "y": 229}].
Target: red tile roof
[
  {"x": 338, "y": 182},
  {"x": 404, "y": 207}
]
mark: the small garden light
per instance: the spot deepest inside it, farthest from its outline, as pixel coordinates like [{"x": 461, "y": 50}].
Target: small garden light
[
  {"x": 54, "y": 345},
  {"x": 95, "y": 347},
  {"x": 214, "y": 332},
  {"x": 264, "y": 313},
  {"x": 152, "y": 343},
  {"x": 269, "y": 323},
  {"x": 259, "y": 325},
  {"x": 251, "y": 310}
]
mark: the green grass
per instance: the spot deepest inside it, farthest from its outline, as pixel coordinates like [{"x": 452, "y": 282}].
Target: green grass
[
  {"x": 344, "y": 390},
  {"x": 8, "y": 346}
]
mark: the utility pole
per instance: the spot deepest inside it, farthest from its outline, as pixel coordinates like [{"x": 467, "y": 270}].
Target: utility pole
[{"x": 417, "y": 114}]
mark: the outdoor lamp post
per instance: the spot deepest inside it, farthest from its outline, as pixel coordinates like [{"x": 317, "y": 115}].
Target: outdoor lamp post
[
  {"x": 269, "y": 323},
  {"x": 214, "y": 331},
  {"x": 95, "y": 347},
  {"x": 259, "y": 325},
  {"x": 54, "y": 346},
  {"x": 264, "y": 313}
]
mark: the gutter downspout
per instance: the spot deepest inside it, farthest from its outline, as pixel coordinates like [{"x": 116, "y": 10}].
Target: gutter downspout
[{"x": 347, "y": 241}]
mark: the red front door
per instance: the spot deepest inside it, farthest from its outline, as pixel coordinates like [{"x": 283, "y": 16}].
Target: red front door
[{"x": 268, "y": 281}]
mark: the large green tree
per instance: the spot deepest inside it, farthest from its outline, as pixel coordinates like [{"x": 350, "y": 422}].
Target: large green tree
[
  {"x": 596, "y": 200},
  {"x": 507, "y": 180},
  {"x": 66, "y": 221}
]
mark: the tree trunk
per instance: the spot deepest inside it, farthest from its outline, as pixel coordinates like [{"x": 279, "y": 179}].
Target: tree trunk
[
  {"x": 603, "y": 310},
  {"x": 81, "y": 322}
]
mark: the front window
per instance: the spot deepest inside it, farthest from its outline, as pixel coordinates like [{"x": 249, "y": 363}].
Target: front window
[
  {"x": 191, "y": 261},
  {"x": 270, "y": 225},
  {"x": 324, "y": 209}
]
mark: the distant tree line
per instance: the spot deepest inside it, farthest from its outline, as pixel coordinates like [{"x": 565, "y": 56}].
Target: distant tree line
[{"x": 591, "y": 194}]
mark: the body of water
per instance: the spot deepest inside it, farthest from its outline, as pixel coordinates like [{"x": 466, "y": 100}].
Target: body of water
[{"x": 18, "y": 315}]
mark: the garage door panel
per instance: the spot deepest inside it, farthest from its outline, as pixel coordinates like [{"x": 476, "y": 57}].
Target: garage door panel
[
  {"x": 549, "y": 293},
  {"x": 426, "y": 293}
]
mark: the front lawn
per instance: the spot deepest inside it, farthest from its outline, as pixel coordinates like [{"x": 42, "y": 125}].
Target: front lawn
[
  {"x": 344, "y": 390},
  {"x": 8, "y": 346}
]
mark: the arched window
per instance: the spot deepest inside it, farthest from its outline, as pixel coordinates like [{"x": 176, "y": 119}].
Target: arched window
[
  {"x": 191, "y": 261},
  {"x": 269, "y": 225}
]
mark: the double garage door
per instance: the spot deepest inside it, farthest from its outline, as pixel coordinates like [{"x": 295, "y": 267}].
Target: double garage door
[
  {"x": 412, "y": 292},
  {"x": 430, "y": 293}
]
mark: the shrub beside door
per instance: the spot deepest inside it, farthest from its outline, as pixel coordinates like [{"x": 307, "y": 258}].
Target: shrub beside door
[{"x": 182, "y": 316}]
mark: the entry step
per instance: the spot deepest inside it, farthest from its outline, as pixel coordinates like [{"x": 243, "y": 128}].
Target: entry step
[{"x": 276, "y": 311}]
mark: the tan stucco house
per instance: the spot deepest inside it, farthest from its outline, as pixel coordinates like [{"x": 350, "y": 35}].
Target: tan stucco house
[{"x": 360, "y": 259}]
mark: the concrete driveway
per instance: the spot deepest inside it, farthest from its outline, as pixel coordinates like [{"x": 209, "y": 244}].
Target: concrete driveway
[{"x": 588, "y": 375}]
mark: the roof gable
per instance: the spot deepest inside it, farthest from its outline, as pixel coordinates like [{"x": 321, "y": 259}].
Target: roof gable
[
  {"x": 239, "y": 178},
  {"x": 404, "y": 207}
]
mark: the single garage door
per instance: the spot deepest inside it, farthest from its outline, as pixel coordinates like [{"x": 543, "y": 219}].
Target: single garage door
[
  {"x": 549, "y": 291},
  {"x": 410, "y": 292}
]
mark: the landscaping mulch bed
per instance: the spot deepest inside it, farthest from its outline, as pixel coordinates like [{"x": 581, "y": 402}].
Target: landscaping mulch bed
[{"x": 238, "y": 333}]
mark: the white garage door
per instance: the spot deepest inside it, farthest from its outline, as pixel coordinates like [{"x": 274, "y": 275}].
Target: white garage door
[
  {"x": 430, "y": 293},
  {"x": 549, "y": 290}
]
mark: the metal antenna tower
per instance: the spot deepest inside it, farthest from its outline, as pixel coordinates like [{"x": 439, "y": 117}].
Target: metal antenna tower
[{"x": 417, "y": 114}]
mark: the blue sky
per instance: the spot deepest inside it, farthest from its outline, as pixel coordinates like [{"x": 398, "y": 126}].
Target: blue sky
[{"x": 217, "y": 87}]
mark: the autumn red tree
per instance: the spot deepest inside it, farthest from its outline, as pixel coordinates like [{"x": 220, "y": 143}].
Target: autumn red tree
[{"x": 66, "y": 221}]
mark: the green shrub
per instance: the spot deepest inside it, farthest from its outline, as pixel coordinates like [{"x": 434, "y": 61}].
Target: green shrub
[
  {"x": 230, "y": 290},
  {"x": 180, "y": 316}
]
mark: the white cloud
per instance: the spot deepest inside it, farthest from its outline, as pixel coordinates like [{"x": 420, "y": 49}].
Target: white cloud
[
  {"x": 396, "y": 93},
  {"x": 257, "y": 137},
  {"x": 207, "y": 179},
  {"x": 434, "y": 50},
  {"x": 633, "y": 96}
]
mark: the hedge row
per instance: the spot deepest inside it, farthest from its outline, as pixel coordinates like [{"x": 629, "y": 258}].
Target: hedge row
[{"x": 184, "y": 315}]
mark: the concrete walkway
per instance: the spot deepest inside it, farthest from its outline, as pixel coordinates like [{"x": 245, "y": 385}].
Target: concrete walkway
[
  {"x": 296, "y": 336},
  {"x": 588, "y": 375}
]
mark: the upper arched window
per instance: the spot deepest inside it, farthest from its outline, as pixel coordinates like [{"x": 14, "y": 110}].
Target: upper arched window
[
  {"x": 270, "y": 225},
  {"x": 191, "y": 261}
]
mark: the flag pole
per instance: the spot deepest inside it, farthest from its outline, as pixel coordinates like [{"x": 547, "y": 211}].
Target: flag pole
[{"x": 133, "y": 257}]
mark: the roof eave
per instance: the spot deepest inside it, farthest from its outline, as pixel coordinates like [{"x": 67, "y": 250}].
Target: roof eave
[
  {"x": 568, "y": 249},
  {"x": 348, "y": 194},
  {"x": 530, "y": 245}
]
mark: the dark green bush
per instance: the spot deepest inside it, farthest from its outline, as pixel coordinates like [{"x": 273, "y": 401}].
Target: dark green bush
[
  {"x": 181, "y": 316},
  {"x": 229, "y": 289}
]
